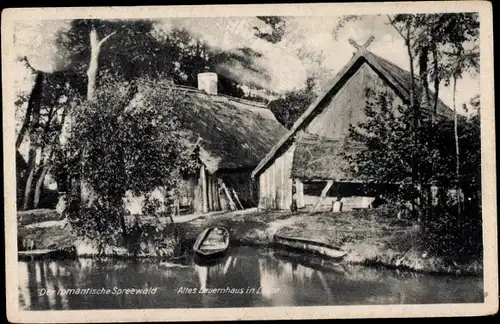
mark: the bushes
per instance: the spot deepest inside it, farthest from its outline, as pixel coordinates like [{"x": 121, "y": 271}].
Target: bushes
[
  {"x": 128, "y": 139},
  {"x": 457, "y": 237},
  {"x": 417, "y": 152},
  {"x": 146, "y": 239},
  {"x": 98, "y": 223}
]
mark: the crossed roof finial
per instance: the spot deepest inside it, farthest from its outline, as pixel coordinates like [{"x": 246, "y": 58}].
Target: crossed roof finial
[{"x": 361, "y": 47}]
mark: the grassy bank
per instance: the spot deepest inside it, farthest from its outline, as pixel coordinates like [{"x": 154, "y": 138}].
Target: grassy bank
[{"x": 370, "y": 237}]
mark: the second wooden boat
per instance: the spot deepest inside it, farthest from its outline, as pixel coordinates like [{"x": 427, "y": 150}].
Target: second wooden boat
[{"x": 310, "y": 246}]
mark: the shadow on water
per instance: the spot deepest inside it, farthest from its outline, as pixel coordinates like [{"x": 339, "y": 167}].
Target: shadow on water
[{"x": 244, "y": 277}]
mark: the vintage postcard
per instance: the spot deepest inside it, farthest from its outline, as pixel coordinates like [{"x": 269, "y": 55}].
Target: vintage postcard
[{"x": 242, "y": 162}]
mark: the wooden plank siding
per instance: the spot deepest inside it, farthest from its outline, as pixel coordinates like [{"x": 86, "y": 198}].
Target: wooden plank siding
[
  {"x": 215, "y": 193},
  {"x": 299, "y": 186},
  {"x": 276, "y": 183},
  {"x": 204, "y": 195}
]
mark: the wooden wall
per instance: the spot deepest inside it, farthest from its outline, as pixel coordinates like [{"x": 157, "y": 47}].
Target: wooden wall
[
  {"x": 205, "y": 193},
  {"x": 275, "y": 183},
  {"x": 202, "y": 193},
  {"x": 208, "y": 193}
]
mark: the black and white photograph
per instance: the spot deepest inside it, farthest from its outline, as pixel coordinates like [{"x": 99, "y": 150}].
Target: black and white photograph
[{"x": 267, "y": 158}]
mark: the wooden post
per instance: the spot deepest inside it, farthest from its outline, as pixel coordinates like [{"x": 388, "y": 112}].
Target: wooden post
[
  {"x": 283, "y": 185},
  {"x": 232, "y": 205},
  {"x": 300, "y": 193},
  {"x": 263, "y": 191},
  {"x": 204, "y": 196},
  {"x": 272, "y": 184},
  {"x": 237, "y": 198},
  {"x": 215, "y": 190},
  {"x": 323, "y": 195},
  {"x": 267, "y": 179},
  {"x": 210, "y": 193}
]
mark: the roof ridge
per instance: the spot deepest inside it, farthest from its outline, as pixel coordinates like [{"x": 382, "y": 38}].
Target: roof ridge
[
  {"x": 408, "y": 74},
  {"x": 222, "y": 95}
]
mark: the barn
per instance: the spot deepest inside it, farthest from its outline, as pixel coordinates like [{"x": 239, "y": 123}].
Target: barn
[
  {"x": 233, "y": 135},
  {"x": 307, "y": 160}
]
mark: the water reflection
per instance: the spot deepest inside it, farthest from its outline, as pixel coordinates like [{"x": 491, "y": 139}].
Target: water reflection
[{"x": 244, "y": 277}]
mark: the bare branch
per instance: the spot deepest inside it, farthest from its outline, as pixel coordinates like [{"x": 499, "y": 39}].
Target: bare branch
[
  {"x": 400, "y": 32},
  {"x": 27, "y": 62},
  {"x": 106, "y": 38}
]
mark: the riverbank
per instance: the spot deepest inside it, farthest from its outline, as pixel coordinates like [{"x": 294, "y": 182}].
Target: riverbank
[{"x": 370, "y": 237}]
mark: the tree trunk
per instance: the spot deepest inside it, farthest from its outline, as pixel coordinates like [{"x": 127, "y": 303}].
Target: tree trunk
[
  {"x": 34, "y": 102},
  {"x": 434, "y": 119},
  {"x": 32, "y": 109},
  {"x": 123, "y": 225},
  {"x": 39, "y": 185},
  {"x": 43, "y": 169},
  {"x": 95, "y": 48},
  {"x": 25, "y": 125},
  {"x": 436, "y": 80},
  {"x": 28, "y": 187},
  {"x": 46, "y": 166},
  {"x": 457, "y": 146},
  {"x": 412, "y": 71},
  {"x": 423, "y": 72},
  {"x": 416, "y": 120}
]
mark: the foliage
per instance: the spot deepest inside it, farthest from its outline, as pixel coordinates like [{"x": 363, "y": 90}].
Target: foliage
[
  {"x": 290, "y": 106},
  {"x": 98, "y": 222},
  {"x": 458, "y": 237},
  {"x": 139, "y": 49},
  {"x": 277, "y": 25},
  {"x": 446, "y": 46},
  {"x": 159, "y": 240},
  {"x": 47, "y": 106},
  {"x": 128, "y": 139},
  {"x": 151, "y": 206},
  {"x": 470, "y": 148},
  {"x": 451, "y": 34},
  {"x": 388, "y": 143}
]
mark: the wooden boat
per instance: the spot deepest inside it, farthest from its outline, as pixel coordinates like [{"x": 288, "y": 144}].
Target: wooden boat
[
  {"x": 212, "y": 242},
  {"x": 310, "y": 246}
]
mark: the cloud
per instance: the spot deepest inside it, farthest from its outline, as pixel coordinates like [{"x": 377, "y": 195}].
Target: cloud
[
  {"x": 285, "y": 70},
  {"x": 311, "y": 47}
]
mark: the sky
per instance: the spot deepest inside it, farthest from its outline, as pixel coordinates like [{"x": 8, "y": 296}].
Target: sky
[{"x": 309, "y": 48}]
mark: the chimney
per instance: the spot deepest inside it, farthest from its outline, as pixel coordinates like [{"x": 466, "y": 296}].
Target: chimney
[{"x": 208, "y": 82}]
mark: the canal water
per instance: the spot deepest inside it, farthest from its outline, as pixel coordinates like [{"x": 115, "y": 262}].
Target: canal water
[{"x": 245, "y": 277}]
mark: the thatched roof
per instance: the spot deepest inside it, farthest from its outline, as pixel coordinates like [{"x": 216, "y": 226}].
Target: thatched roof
[
  {"x": 319, "y": 158},
  {"x": 232, "y": 133},
  {"x": 395, "y": 77},
  {"x": 402, "y": 79}
]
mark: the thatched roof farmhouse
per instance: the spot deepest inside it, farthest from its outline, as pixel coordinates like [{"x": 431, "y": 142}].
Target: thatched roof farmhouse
[{"x": 233, "y": 136}]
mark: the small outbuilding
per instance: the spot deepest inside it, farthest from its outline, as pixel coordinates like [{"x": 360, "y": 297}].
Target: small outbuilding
[{"x": 307, "y": 161}]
